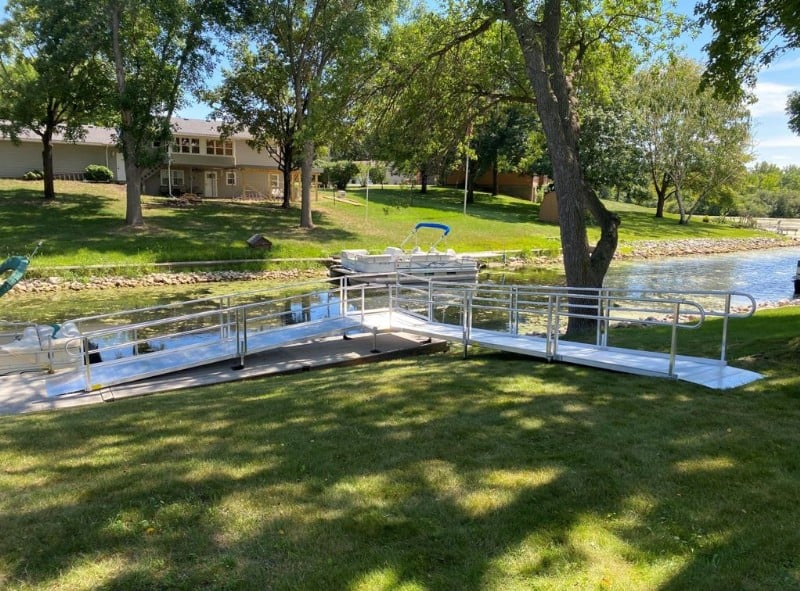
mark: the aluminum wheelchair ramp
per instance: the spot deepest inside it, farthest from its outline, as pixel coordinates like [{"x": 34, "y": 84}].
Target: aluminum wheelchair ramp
[
  {"x": 413, "y": 312},
  {"x": 179, "y": 352}
]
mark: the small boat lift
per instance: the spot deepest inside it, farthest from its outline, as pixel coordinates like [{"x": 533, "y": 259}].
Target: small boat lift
[{"x": 110, "y": 349}]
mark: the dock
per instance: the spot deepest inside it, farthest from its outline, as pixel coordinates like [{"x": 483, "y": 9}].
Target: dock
[{"x": 324, "y": 322}]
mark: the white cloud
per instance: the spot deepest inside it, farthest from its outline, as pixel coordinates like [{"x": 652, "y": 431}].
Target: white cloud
[
  {"x": 784, "y": 141},
  {"x": 771, "y": 98},
  {"x": 789, "y": 61}
]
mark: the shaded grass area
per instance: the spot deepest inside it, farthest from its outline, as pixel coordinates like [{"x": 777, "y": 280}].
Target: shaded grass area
[
  {"x": 84, "y": 225},
  {"x": 434, "y": 473}
]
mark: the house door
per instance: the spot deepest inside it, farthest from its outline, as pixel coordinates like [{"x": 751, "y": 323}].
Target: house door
[{"x": 210, "y": 189}]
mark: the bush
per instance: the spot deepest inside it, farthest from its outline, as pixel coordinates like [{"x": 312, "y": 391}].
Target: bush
[
  {"x": 33, "y": 175},
  {"x": 98, "y": 173},
  {"x": 338, "y": 173}
]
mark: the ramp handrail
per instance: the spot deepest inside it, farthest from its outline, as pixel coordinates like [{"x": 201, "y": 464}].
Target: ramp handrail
[{"x": 552, "y": 306}]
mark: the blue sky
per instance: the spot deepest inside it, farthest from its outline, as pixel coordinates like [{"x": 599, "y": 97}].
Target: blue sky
[{"x": 772, "y": 139}]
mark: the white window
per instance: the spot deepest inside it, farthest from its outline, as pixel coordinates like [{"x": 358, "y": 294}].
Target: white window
[
  {"x": 186, "y": 145},
  {"x": 219, "y": 147},
  {"x": 177, "y": 177},
  {"x": 230, "y": 177}
]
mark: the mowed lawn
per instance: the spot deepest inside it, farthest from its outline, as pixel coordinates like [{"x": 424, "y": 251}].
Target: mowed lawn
[
  {"x": 429, "y": 473},
  {"x": 84, "y": 226}
]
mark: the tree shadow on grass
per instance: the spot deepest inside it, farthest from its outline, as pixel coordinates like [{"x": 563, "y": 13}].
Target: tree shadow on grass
[{"x": 436, "y": 473}]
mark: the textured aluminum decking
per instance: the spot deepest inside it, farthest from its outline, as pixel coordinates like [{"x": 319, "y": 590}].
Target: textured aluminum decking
[{"x": 697, "y": 370}]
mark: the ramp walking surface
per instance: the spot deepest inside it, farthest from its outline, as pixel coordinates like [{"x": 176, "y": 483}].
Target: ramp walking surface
[{"x": 22, "y": 393}]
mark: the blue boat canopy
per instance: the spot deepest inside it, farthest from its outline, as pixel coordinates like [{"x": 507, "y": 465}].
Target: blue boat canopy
[{"x": 435, "y": 225}]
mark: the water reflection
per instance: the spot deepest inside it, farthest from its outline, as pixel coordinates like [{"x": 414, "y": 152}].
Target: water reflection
[{"x": 767, "y": 275}]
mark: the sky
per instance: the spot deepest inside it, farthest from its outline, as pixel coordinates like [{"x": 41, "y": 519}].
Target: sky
[{"x": 773, "y": 141}]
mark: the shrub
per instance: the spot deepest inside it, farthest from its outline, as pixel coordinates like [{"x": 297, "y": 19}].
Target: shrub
[
  {"x": 33, "y": 175},
  {"x": 98, "y": 173},
  {"x": 338, "y": 173}
]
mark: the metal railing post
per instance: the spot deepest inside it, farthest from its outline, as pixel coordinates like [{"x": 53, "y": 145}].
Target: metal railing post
[
  {"x": 674, "y": 340},
  {"x": 724, "y": 346},
  {"x": 513, "y": 312},
  {"x": 467, "y": 315},
  {"x": 430, "y": 301},
  {"x": 549, "y": 335},
  {"x": 86, "y": 363}
]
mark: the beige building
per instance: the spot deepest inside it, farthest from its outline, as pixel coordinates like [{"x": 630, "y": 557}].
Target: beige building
[{"x": 197, "y": 161}]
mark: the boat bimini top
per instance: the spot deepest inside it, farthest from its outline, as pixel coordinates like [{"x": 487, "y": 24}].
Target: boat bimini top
[{"x": 433, "y": 225}]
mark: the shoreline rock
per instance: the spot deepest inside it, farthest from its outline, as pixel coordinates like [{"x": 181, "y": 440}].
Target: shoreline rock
[{"x": 647, "y": 249}]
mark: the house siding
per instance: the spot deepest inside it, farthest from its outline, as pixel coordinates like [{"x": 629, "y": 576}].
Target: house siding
[
  {"x": 248, "y": 157},
  {"x": 255, "y": 172},
  {"x": 68, "y": 159}
]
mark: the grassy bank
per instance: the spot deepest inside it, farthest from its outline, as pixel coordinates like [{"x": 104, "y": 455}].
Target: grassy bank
[
  {"x": 432, "y": 473},
  {"x": 84, "y": 226}
]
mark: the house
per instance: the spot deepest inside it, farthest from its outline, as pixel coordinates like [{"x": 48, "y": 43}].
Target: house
[
  {"x": 69, "y": 159},
  {"x": 524, "y": 186},
  {"x": 198, "y": 160}
]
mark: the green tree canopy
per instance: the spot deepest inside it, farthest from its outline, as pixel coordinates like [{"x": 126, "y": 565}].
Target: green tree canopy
[
  {"x": 52, "y": 75},
  {"x": 747, "y": 35},
  {"x": 694, "y": 143}
]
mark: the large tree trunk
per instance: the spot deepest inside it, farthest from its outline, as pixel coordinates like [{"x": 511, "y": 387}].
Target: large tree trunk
[
  {"x": 423, "y": 179},
  {"x": 133, "y": 193},
  {"x": 584, "y": 267},
  {"x": 306, "y": 179},
  {"x": 661, "y": 194},
  {"x": 47, "y": 165},
  {"x": 286, "y": 169},
  {"x": 133, "y": 190},
  {"x": 495, "y": 183}
]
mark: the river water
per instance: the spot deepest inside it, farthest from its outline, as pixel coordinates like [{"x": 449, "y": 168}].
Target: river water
[{"x": 767, "y": 275}]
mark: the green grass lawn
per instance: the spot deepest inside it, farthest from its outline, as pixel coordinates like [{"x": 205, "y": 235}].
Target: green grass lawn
[
  {"x": 84, "y": 225},
  {"x": 431, "y": 473}
]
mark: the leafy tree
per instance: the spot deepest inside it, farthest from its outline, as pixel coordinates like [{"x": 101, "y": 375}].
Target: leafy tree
[
  {"x": 338, "y": 173},
  {"x": 556, "y": 38},
  {"x": 612, "y": 160},
  {"x": 771, "y": 191},
  {"x": 256, "y": 96},
  {"x": 502, "y": 142},
  {"x": 378, "y": 173},
  {"x": 159, "y": 49},
  {"x": 314, "y": 50},
  {"x": 437, "y": 84},
  {"x": 793, "y": 110},
  {"x": 694, "y": 143},
  {"x": 52, "y": 77},
  {"x": 748, "y": 35}
]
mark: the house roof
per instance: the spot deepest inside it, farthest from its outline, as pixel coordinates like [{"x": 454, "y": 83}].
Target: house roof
[
  {"x": 107, "y": 136},
  {"x": 200, "y": 127},
  {"x": 95, "y": 135}
]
